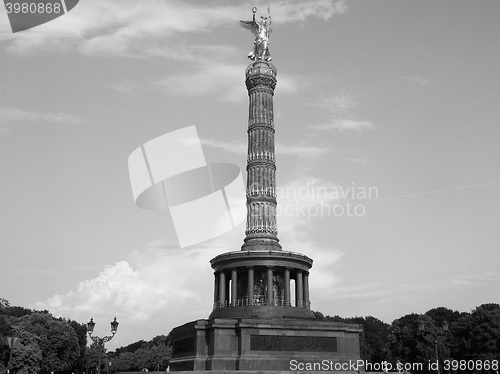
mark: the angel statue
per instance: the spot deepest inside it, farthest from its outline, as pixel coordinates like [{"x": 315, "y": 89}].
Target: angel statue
[{"x": 261, "y": 31}]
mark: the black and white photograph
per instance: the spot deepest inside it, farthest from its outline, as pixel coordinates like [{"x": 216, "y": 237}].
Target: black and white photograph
[{"x": 258, "y": 187}]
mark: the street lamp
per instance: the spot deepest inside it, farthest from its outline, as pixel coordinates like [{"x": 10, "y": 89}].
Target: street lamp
[
  {"x": 11, "y": 341},
  {"x": 434, "y": 335},
  {"x": 103, "y": 340}
]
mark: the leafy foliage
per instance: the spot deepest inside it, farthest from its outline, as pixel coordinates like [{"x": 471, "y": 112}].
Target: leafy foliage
[
  {"x": 57, "y": 340},
  {"x": 443, "y": 334},
  {"x": 374, "y": 338},
  {"x": 440, "y": 333},
  {"x": 43, "y": 344},
  {"x": 152, "y": 355},
  {"x": 46, "y": 344},
  {"x": 96, "y": 353}
]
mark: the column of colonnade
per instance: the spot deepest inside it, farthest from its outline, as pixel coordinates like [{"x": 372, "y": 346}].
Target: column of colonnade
[{"x": 222, "y": 285}]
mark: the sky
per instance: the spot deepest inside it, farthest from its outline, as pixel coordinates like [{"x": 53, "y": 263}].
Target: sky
[{"x": 387, "y": 148}]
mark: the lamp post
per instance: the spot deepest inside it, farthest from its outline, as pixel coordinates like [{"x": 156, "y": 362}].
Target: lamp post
[
  {"x": 434, "y": 335},
  {"x": 103, "y": 340},
  {"x": 11, "y": 341}
]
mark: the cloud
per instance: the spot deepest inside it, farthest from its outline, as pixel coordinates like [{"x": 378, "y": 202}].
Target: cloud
[
  {"x": 301, "y": 150},
  {"x": 11, "y": 115},
  {"x": 476, "y": 280},
  {"x": 391, "y": 300},
  {"x": 292, "y": 11},
  {"x": 126, "y": 88},
  {"x": 344, "y": 125},
  {"x": 210, "y": 76},
  {"x": 160, "y": 29},
  {"x": 294, "y": 198},
  {"x": 460, "y": 283},
  {"x": 339, "y": 108},
  {"x": 232, "y": 147},
  {"x": 281, "y": 148},
  {"x": 151, "y": 280},
  {"x": 337, "y": 104},
  {"x": 127, "y": 27},
  {"x": 117, "y": 287},
  {"x": 415, "y": 80},
  {"x": 217, "y": 80},
  {"x": 155, "y": 289},
  {"x": 357, "y": 160},
  {"x": 308, "y": 191}
]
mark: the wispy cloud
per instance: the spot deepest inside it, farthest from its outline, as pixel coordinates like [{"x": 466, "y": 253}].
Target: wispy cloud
[
  {"x": 126, "y": 88},
  {"x": 217, "y": 80},
  {"x": 294, "y": 198},
  {"x": 439, "y": 191},
  {"x": 389, "y": 300},
  {"x": 211, "y": 77},
  {"x": 419, "y": 81},
  {"x": 340, "y": 109},
  {"x": 232, "y": 147},
  {"x": 292, "y": 11},
  {"x": 126, "y": 27},
  {"x": 160, "y": 29},
  {"x": 358, "y": 160},
  {"x": 337, "y": 104},
  {"x": 344, "y": 125},
  {"x": 475, "y": 280},
  {"x": 301, "y": 150},
  {"x": 281, "y": 148},
  {"x": 11, "y": 115}
]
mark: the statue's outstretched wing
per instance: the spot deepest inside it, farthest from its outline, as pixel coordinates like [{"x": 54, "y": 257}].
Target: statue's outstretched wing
[{"x": 250, "y": 25}]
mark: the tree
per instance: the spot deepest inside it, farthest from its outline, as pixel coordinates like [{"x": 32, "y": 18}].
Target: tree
[
  {"x": 407, "y": 344},
  {"x": 96, "y": 354},
  {"x": 81, "y": 334},
  {"x": 477, "y": 335},
  {"x": 5, "y": 331},
  {"x": 152, "y": 355},
  {"x": 124, "y": 362},
  {"x": 373, "y": 341},
  {"x": 441, "y": 315},
  {"x": 375, "y": 338},
  {"x": 57, "y": 340},
  {"x": 26, "y": 353}
]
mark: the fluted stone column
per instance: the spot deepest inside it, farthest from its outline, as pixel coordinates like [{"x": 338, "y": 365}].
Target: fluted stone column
[
  {"x": 306, "y": 290},
  {"x": 250, "y": 285},
  {"x": 270, "y": 286},
  {"x": 216, "y": 290},
  {"x": 222, "y": 289},
  {"x": 234, "y": 287},
  {"x": 287, "y": 287},
  {"x": 299, "y": 289}
]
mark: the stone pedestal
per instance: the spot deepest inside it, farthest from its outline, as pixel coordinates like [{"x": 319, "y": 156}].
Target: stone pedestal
[{"x": 260, "y": 344}]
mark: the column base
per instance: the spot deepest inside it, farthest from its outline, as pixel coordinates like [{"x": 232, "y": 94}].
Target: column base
[{"x": 260, "y": 243}]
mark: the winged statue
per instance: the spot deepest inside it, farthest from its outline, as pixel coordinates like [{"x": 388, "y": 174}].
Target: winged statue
[{"x": 261, "y": 31}]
